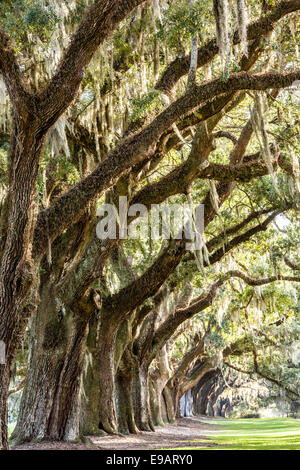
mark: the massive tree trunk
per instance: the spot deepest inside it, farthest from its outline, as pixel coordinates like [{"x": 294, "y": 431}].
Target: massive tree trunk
[
  {"x": 125, "y": 408},
  {"x": 107, "y": 403},
  {"x": 125, "y": 363},
  {"x": 99, "y": 410},
  {"x": 141, "y": 398},
  {"x": 16, "y": 269},
  {"x": 160, "y": 377},
  {"x": 4, "y": 384},
  {"x": 90, "y": 400},
  {"x": 176, "y": 401},
  {"x": 106, "y": 365},
  {"x": 167, "y": 395},
  {"x": 172, "y": 394},
  {"x": 156, "y": 403},
  {"x": 217, "y": 388},
  {"x": 50, "y": 404}
]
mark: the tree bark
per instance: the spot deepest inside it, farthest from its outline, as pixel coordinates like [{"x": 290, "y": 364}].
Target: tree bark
[
  {"x": 104, "y": 362},
  {"x": 156, "y": 403},
  {"x": 90, "y": 400},
  {"x": 141, "y": 398},
  {"x": 4, "y": 386},
  {"x": 125, "y": 364},
  {"x": 50, "y": 404},
  {"x": 125, "y": 408},
  {"x": 16, "y": 269},
  {"x": 159, "y": 377},
  {"x": 167, "y": 394}
]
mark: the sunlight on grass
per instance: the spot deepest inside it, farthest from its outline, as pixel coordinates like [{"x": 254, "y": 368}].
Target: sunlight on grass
[{"x": 255, "y": 434}]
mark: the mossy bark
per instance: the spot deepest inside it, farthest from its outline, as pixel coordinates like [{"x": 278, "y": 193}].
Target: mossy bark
[
  {"x": 99, "y": 408},
  {"x": 4, "y": 384},
  {"x": 167, "y": 394},
  {"x": 141, "y": 399},
  {"x": 125, "y": 363},
  {"x": 17, "y": 276},
  {"x": 106, "y": 348},
  {"x": 90, "y": 399},
  {"x": 125, "y": 408},
  {"x": 156, "y": 404},
  {"x": 50, "y": 404}
]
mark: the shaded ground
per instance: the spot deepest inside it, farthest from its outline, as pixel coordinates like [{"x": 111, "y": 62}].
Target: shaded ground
[
  {"x": 165, "y": 437},
  {"x": 53, "y": 445},
  {"x": 184, "y": 434}
]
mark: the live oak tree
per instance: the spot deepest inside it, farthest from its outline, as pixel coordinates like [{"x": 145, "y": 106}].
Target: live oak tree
[
  {"x": 76, "y": 137},
  {"x": 33, "y": 113}
]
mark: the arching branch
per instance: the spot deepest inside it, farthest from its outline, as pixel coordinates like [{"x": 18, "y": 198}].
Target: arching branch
[
  {"x": 12, "y": 75},
  {"x": 69, "y": 207},
  {"x": 99, "y": 21},
  {"x": 264, "y": 376},
  {"x": 290, "y": 264},
  {"x": 204, "y": 301},
  {"x": 180, "y": 66}
]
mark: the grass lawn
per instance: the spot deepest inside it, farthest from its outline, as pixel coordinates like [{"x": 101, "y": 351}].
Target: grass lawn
[{"x": 256, "y": 434}]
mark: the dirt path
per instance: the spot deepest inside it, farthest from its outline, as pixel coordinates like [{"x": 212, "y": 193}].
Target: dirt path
[{"x": 165, "y": 437}]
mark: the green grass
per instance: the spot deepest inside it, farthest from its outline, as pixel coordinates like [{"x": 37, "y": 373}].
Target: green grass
[{"x": 256, "y": 434}]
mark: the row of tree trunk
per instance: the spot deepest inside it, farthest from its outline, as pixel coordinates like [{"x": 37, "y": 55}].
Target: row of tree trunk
[
  {"x": 74, "y": 386},
  {"x": 89, "y": 373}
]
